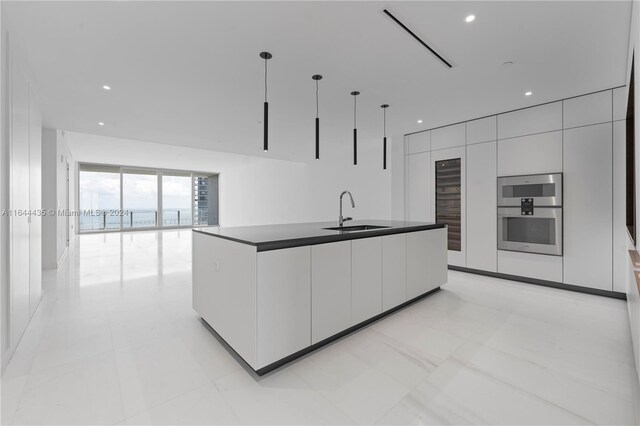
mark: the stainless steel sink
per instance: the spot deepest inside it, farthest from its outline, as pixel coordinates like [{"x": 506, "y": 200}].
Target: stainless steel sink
[{"x": 356, "y": 228}]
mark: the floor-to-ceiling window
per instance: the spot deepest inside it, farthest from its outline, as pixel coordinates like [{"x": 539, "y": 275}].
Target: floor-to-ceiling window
[
  {"x": 99, "y": 197},
  {"x": 177, "y": 200},
  {"x": 139, "y": 198},
  {"x": 124, "y": 198}
]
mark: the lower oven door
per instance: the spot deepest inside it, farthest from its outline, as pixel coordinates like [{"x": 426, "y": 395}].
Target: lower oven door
[{"x": 538, "y": 233}]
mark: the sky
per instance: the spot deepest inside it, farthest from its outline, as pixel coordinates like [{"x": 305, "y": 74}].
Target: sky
[{"x": 100, "y": 190}]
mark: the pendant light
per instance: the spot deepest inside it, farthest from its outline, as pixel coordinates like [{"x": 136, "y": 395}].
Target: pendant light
[
  {"x": 317, "y": 78},
  {"x": 355, "y": 129},
  {"x": 384, "y": 138},
  {"x": 266, "y": 56}
]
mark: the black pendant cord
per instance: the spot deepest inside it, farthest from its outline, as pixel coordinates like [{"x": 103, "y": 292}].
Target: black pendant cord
[
  {"x": 317, "y": 124},
  {"x": 384, "y": 138},
  {"x": 266, "y": 56},
  {"x": 317, "y": 78},
  {"x": 355, "y": 128}
]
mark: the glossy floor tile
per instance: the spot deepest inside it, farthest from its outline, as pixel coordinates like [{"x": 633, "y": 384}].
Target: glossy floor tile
[{"x": 115, "y": 341}]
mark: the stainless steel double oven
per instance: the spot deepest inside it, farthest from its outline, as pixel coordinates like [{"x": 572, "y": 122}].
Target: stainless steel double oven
[{"x": 530, "y": 213}]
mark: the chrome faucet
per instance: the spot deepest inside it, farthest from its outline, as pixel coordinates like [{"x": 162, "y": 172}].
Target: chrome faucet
[{"x": 341, "y": 219}]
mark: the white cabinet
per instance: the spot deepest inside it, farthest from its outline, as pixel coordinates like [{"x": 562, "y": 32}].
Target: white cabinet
[
  {"x": 540, "y": 266},
  {"x": 448, "y": 137},
  {"x": 283, "y": 303},
  {"x": 394, "y": 270},
  {"x": 419, "y": 142},
  {"x": 482, "y": 130},
  {"x": 620, "y": 103},
  {"x": 366, "y": 279},
  {"x": 330, "y": 289},
  {"x": 529, "y": 121},
  {"x": 224, "y": 291},
  {"x": 586, "y": 110},
  {"x": 418, "y": 191},
  {"x": 587, "y": 208},
  {"x": 426, "y": 261},
  {"x": 35, "y": 203},
  {"x": 481, "y": 207},
  {"x": 620, "y": 238},
  {"x": 534, "y": 154},
  {"x": 19, "y": 200},
  {"x": 457, "y": 258},
  {"x": 633, "y": 306}
]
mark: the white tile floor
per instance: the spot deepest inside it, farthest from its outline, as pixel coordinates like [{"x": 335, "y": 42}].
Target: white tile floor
[{"x": 115, "y": 341}]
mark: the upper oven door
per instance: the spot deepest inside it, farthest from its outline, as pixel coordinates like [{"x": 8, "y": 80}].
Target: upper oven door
[
  {"x": 546, "y": 190},
  {"x": 538, "y": 233}
]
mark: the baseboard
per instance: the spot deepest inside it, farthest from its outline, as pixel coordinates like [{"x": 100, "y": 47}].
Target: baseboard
[
  {"x": 289, "y": 358},
  {"x": 536, "y": 281}
]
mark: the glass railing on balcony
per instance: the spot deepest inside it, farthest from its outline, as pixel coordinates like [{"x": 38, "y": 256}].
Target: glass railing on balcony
[
  {"x": 140, "y": 219},
  {"x": 176, "y": 217},
  {"x": 98, "y": 220}
]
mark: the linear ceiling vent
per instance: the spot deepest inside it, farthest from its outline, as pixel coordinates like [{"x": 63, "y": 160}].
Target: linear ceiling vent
[{"x": 404, "y": 27}]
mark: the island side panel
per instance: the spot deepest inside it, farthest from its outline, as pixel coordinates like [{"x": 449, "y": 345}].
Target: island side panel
[
  {"x": 426, "y": 261},
  {"x": 224, "y": 291},
  {"x": 284, "y": 303},
  {"x": 438, "y": 258}
]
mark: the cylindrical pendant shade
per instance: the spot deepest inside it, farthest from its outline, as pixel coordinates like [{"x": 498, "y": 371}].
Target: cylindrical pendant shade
[
  {"x": 317, "y": 138},
  {"x": 384, "y": 153},
  {"x": 355, "y": 147},
  {"x": 266, "y": 126}
]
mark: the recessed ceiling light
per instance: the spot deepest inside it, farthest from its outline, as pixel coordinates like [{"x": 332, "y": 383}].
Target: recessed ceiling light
[
  {"x": 507, "y": 63},
  {"x": 101, "y": 124},
  {"x": 419, "y": 121},
  {"x": 470, "y": 18},
  {"x": 105, "y": 87},
  {"x": 528, "y": 93}
]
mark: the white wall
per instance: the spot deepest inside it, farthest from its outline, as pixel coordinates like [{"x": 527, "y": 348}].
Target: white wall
[
  {"x": 20, "y": 188},
  {"x": 4, "y": 194},
  {"x": 255, "y": 190},
  {"x": 49, "y": 226}
]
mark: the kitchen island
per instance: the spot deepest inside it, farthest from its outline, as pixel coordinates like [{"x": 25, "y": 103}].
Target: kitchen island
[{"x": 276, "y": 292}]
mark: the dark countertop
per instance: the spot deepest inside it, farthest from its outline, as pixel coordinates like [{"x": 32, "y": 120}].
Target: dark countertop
[{"x": 274, "y": 237}]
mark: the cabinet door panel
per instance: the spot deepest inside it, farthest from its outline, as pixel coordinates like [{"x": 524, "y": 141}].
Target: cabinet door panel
[
  {"x": 394, "y": 270},
  {"x": 481, "y": 207},
  {"x": 366, "y": 279},
  {"x": 540, "y": 266},
  {"x": 620, "y": 235},
  {"x": 586, "y": 110},
  {"x": 530, "y": 154},
  {"x": 528, "y": 121},
  {"x": 284, "y": 303},
  {"x": 448, "y": 137},
  {"x": 482, "y": 130},
  {"x": 426, "y": 261},
  {"x": 19, "y": 199},
  {"x": 35, "y": 203},
  {"x": 418, "y": 191},
  {"x": 587, "y": 195},
  {"x": 330, "y": 289},
  {"x": 419, "y": 142}
]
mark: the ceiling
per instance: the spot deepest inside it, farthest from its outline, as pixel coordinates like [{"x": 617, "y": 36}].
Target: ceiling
[{"x": 188, "y": 73}]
